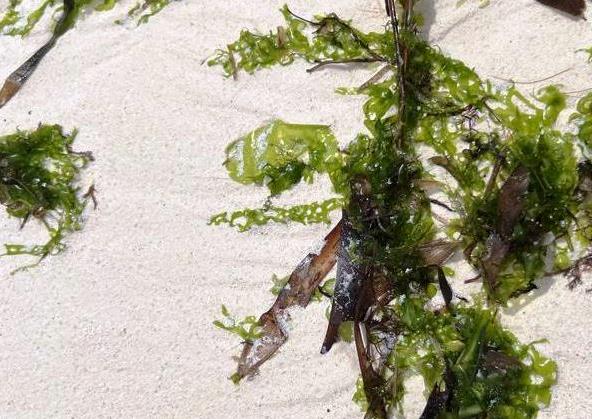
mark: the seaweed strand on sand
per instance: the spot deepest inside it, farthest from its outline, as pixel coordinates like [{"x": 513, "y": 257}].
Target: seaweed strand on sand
[{"x": 39, "y": 173}]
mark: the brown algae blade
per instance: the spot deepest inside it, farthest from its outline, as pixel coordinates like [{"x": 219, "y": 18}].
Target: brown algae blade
[
  {"x": 303, "y": 281},
  {"x": 18, "y": 78}
]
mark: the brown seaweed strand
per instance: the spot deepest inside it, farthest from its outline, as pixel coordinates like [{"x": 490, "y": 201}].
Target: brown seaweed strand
[
  {"x": 298, "y": 291},
  {"x": 18, "y": 78}
]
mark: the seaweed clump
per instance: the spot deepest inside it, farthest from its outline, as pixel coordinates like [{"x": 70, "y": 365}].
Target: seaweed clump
[
  {"x": 38, "y": 174},
  {"x": 514, "y": 188}
]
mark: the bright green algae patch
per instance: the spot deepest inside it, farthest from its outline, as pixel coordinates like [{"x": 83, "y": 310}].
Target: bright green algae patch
[
  {"x": 15, "y": 23},
  {"x": 480, "y": 136},
  {"x": 495, "y": 374},
  {"x": 312, "y": 213},
  {"x": 39, "y": 171},
  {"x": 334, "y": 39},
  {"x": 280, "y": 155}
]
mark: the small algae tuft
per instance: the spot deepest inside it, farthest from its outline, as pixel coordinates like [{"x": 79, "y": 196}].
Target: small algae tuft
[{"x": 38, "y": 175}]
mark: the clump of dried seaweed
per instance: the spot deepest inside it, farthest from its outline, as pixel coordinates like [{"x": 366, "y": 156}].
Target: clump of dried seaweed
[
  {"x": 516, "y": 192},
  {"x": 38, "y": 174}
]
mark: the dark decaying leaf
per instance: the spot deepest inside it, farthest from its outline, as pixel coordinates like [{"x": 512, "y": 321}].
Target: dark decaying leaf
[
  {"x": 509, "y": 210},
  {"x": 347, "y": 284},
  {"x": 499, "y": 362},
  {"x": 439, "y": 397},
  {"x": 350, "y": 273},
  {"x": 497, "y": 249},
  {"x": 374, "y": 383},
  {"x": 445, "y": 288},
  {"x": 511, "y": 201},
  {"x": 437, "y": 252},
  {"x": 298, "y": 291},
  {"x": 17, "y": 79},
  {"x": 573, "y": 7}
]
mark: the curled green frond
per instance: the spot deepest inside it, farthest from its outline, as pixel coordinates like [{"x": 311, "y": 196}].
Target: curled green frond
[
  {"x": 10, "y": 16},
  {"x": 145, "y": 9},
  {"x": 38, "y": 175},
  {"x": 587, "y": 51},
  {"x": 583, "y": 118}
]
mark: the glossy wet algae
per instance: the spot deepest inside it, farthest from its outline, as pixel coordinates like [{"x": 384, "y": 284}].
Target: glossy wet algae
[{"x": 487, "y": 140}]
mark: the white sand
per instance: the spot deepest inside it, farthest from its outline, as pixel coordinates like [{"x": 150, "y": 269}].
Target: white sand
[{"x": 120, "y": 324}]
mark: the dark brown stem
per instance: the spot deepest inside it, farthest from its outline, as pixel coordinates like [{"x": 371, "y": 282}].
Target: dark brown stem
[
  {"x": 92, "y": 194},
  {"x": 474, "y": 279},
  {"x": 494, "y": 173},
  {"x": 441, "y": 204},
  {"x": 357, "y": 38},
  {"x": 534, "y": 81},
  {"x": 310, "y": 22},
  {"x": 372, "y": 381},
  {"x": 402, "y": 57}
]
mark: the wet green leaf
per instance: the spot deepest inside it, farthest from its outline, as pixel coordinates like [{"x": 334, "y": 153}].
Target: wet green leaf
[{"x": 280, "y": 155}]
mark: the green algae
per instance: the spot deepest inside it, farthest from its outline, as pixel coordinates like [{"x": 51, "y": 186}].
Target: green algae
[
  {"x": 461, "y": 340},
  {"x": 479, "y": 135},
  {"x": 280, "y": 155},
  {"x": 39, "y": 171},
  {"x": 247, "y": 329},
  {"x": 311, "y": 213},
  {"x": 333, "y": 40}
]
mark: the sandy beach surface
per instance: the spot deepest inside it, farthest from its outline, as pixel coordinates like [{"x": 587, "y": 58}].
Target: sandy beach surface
[{"x": 120, "y": 325}]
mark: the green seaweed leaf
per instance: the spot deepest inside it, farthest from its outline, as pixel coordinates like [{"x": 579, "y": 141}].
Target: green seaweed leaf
[
  {"x": 279, "y": 155},
  {"x": 312, "y": 213}
]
